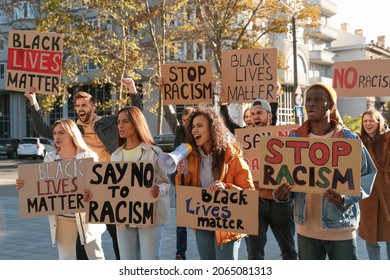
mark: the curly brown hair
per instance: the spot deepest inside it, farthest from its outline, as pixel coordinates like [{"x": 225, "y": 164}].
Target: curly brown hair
[{"x": 218, "y": 134}]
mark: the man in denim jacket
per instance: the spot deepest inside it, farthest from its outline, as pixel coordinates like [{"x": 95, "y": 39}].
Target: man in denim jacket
[
  {"x": 100, "y": 133},
  {"x": 327, "y": 223}
]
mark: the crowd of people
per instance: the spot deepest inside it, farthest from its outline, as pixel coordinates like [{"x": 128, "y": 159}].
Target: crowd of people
[{"x": 306, "y": 226}]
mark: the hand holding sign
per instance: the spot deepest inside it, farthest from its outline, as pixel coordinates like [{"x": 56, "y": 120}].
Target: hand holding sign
[
  {"x": 282, "y": 192},
  {"x": 19, "y": 183},
  {"x": 216, "y": 185},
  {"x": 154, "y": 191},
  {"x": 333, "y": 196}
]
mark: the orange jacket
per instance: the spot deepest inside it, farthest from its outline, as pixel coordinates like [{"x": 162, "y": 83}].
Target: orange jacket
[{"x": 235, "y": 175}]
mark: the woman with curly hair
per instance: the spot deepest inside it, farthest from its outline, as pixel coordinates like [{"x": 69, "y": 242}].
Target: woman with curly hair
[
  {"x": 374, "y": 223},
  {"x": 214, "y": 164}
]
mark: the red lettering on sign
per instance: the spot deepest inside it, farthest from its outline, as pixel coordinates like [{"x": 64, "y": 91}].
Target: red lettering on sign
[
  {"x": 345, "y": 78},
  {"x": 35, "y": 61}
]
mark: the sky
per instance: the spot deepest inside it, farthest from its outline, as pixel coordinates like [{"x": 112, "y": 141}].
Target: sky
[{"x": 373, "y": 16}]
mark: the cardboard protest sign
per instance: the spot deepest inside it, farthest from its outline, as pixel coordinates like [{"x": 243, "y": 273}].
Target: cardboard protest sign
[
  {"x": 248, "y": 75},
  {"x": 310, "y": 164},
  {"x": 34, "y": 60},
  {"x": 52, "y": 188},
  {"x": 362, "y": 78},
  {"x": 121, "y": 193},
  {"x": 249, "y": 139},
  {"x": 224, "y": 210},
  {"x": 186, "y": 83}
]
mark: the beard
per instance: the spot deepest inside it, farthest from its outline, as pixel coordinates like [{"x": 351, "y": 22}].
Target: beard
[{"x": 86, "y": 117}]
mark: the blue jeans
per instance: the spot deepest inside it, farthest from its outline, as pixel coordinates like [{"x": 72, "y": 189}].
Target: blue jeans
[
  {"x": 374, "y": 250},
  {"x": 139, "y": 243},
  {"x": 181, "y": 241},
  {"x": 280, "y": 218},
  {"x": 209, "y": 250},
  {"x": 316, "y": 249}
]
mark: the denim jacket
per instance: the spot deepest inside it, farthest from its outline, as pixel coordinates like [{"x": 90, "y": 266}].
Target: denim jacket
[{"x": 336, "y": 216}]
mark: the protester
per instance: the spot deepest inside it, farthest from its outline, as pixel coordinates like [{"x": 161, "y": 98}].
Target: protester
[
  {"x": 179, "y": 131},
  {"x": 135, "y": 143},
  {"x": 64, "y": 228},
  {"x": 214, "y": 164},
  {"x": 327, "y": 222},
  {"x": 231, "y": 125},
  {"x": 229, "y": 122},
  {"x": 279, "y": 217},
  {"x": 98, "y": 132},
  {"x": 374, "y": 223}
]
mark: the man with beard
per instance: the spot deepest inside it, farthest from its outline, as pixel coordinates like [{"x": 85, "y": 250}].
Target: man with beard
[
  {"x": 277, "y": 216},
  {"x": 100, "y": 134}
]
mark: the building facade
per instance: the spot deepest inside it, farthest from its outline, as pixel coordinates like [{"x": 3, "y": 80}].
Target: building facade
[{"x": 315, "y": 55}]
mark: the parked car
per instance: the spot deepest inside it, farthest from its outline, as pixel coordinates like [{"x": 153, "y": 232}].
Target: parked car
[
  {"x": 9, "y": 147},
  {"x": 165, "y": 141},
  {"x": 34, "y": 147},
  {"x": 48, "y": 143}
]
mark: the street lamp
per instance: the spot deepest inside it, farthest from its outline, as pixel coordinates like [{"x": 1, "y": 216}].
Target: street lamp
[
  {"x": 294, "y": 31},
  {"x": 295, "y": 62},
  {"x": 298, "y": 106}
]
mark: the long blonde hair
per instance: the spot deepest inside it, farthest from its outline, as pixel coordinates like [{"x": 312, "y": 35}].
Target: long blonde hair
[
  {"x": 378, "y": 118},
  {"x": 71, "y": 128}
]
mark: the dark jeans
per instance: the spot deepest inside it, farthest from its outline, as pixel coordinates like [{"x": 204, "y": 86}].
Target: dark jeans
[
  {"x": 181, "y": 232},
  {"x": 316, "y": 249},
  {"x": 279, "y": 217},
  {"x": 82, "y": 255},
  {"x": 181, "y": 241}
]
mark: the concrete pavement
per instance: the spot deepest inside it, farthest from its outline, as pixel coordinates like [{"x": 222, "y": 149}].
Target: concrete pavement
[{"x": 29, "y": 238}]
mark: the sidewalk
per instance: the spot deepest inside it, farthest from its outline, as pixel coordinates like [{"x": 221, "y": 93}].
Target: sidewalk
[{"x": 29, "y": 239}]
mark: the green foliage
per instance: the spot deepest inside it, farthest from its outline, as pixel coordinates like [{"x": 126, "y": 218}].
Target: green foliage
[
  {"x": 354, "y": 124},
  {"x": 131, "y": 38}
]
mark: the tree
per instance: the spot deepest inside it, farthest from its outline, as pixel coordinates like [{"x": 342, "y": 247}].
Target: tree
[
  {"x": 97, "y": 34},
  {"x": 159, "y": 17},
  {"x": 135, "y": 37},
  {"x": 238, "y": 24}
]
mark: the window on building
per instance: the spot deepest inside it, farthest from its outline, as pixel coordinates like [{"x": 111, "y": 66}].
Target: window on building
[
  {"x": 3, "y": 17},
  {"x": 188, "y": 51},
  {"x": 92, "y": 65},
  {"x": 23, "y": 10},
  {"x": 1, "y": 45},
  {"x": 99, "y": 23},
  {"x": 75, "y": 6},
  {"x": 187, "y": 13},
  {"x": 2, "y": 70}
]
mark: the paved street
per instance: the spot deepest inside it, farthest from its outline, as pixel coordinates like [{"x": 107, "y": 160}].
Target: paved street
[{"x": 29, "y": 239}]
